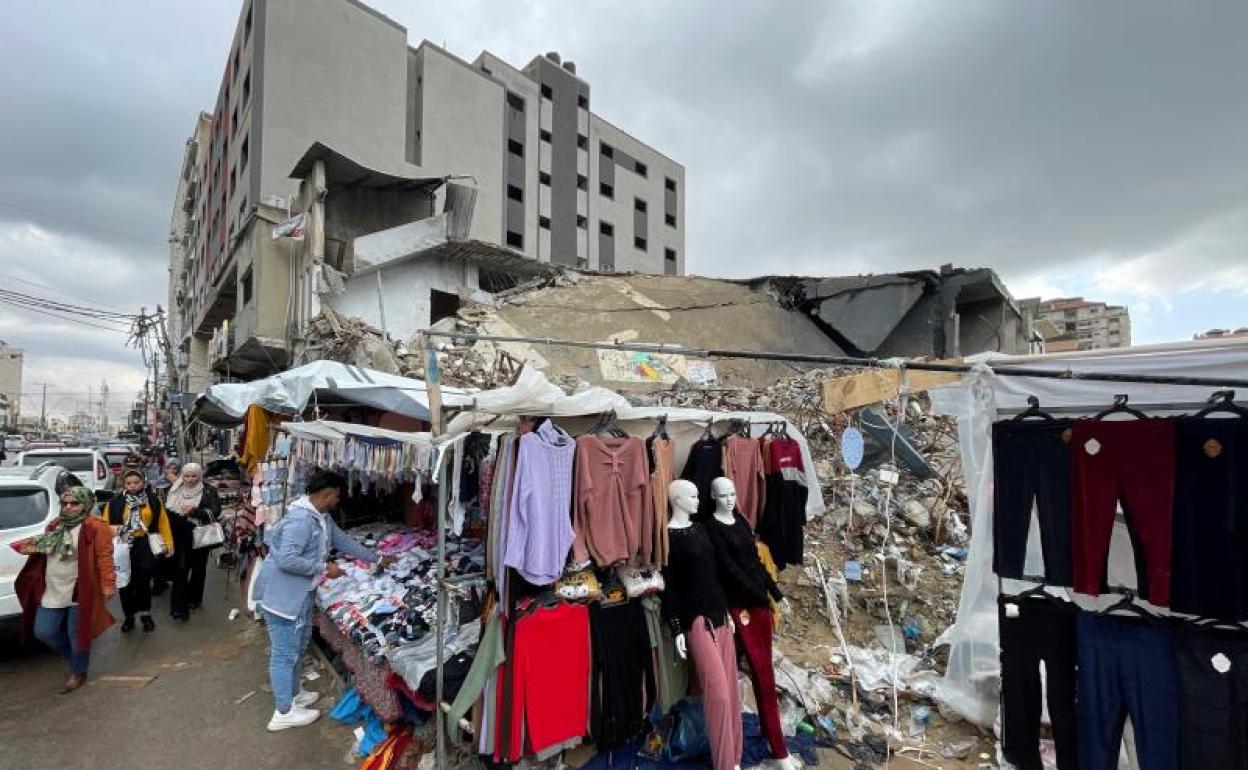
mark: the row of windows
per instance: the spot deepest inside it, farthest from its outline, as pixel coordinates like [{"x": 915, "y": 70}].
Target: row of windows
[{"x": 582, "y": 100}]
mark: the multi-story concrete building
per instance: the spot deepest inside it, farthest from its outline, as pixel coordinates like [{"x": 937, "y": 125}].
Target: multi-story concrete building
[
  {"x": 10, "y": 383},
  {"x": 1077, "y": 324},
  {"x": 324, "y": 104}
]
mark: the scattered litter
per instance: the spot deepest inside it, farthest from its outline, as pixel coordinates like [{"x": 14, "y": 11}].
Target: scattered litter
[
  {"x": 244, "y": 699},
  {"x": 134, "y": 682},
  {"x": 234, "y": 613},
  {"x": 311, "y": 676},
  {"x": 884, "y": 633},
  {"x": 853, "y": 571},
  {"x": 920, "y": 716}
]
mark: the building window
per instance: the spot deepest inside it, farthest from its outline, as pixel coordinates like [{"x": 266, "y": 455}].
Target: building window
[
  {"x": 247, "y": 287},
  {"x": 607, "y": 190},
  {"x": 582, "y": 101},
  {"x": 669, "y": 261},
  {"x": 247, "y": 88},
  {"x": 515, "y": 148},
  {"x": 515, "y": 193},
  {"x": 515, "y": 101},
  {"x": 606, "y": 228},
  {"x": 544, "y": 135},
  {"x": 670, "y": 219},
  {"x": 442, "y": 304},
  {"x": 640, "y": 243},
  {"x": 543, "y": 222},
  {"x": 247, "y": 25},
  {"x": 582, "y": 182},
  {"x": 244, "y": 153},
  {"x": 639, "y": 204},
  {"x": 640, "y": 168},
  {"x": 606, "y": 150},
  {"x": 515, "y": 239},
  {"x": 582, "y": 142},
  {"x": 669, "y": 184},
  {"x": 582, "y": 222},
  {"x": 543, "y": 178},
  {"x": 234, "y": 120},
  {"x": 547, "y": 93}
]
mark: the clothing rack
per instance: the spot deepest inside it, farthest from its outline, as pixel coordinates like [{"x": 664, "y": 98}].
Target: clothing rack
[{"x": 1185, "y": 406}]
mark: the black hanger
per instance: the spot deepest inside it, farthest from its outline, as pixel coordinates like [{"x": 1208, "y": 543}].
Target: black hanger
[
  {"x": 1127, "y": 602},
  {"x": 1215, "y": 624},
  {"x": 1120, "y": 405},
  {"x": 1223, "y": 401},
  {"x": 1033, "y": 411},
  {"x": 660, "y": 429},
  {"x": 706, "y": 432}
]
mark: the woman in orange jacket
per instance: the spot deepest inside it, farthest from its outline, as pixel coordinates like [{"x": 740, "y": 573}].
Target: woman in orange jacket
[{"x": 66, "y": 581}]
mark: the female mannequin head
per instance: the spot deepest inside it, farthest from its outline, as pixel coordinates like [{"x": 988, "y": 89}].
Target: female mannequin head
[
  {"x": 725, "y": 494},
  {"x": 683, "y": 496}
]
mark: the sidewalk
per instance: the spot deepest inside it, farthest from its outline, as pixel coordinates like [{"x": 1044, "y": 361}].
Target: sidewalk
[{"x": 187, "y": 718}]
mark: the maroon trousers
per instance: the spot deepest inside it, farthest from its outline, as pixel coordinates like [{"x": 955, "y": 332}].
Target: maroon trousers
[
  {"x": 1131, "y": 461},
  {"x": 754, "y": 639}
]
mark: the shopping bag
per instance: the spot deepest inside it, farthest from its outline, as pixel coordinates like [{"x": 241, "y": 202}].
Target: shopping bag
[
  {"x": 121, "y": 562},
  {"x": 690, "y": 738},
  {"x": 207, "y": 536}
]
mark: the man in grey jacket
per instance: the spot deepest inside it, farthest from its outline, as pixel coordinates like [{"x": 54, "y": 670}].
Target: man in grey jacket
[{"x": 299, "y": 545}]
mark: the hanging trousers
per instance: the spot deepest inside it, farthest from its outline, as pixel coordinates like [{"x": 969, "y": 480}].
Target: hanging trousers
[
  {"x": 1213, "y": 703},
  {"x": 754, "y": 638},
  {"x": 1040, "y": 632},
  {"x": 1132, "y": 462},
  {"x": 622, "y": 687},
  {"x": 1210, "y": 517},
  {"x": 1127, "y": 668},
  {"x": 715, "y": 664},
  {"x": 1031, "y": 464},
  {"x": 136, "y": 597}
]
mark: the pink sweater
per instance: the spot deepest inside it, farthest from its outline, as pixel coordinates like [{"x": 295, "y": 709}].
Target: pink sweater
[{"x": 613, "y": 511}]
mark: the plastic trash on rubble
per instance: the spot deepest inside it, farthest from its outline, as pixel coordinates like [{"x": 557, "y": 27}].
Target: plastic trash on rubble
[
  {"x": 791, "y": 715},
  {"x": 919, "y": 718},
  {"x": 853, "y": 571},
  {"x": 810, "y": 689}
]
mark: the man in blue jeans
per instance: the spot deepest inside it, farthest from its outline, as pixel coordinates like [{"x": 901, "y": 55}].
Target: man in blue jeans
[{"x": 299, "y": 545}]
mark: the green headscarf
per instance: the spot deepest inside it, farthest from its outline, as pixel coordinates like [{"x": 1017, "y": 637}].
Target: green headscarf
[{"x": 59, "y": 541}]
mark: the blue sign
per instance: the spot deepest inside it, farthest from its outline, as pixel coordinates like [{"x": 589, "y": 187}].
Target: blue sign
[{"x": 851, "y": 448}]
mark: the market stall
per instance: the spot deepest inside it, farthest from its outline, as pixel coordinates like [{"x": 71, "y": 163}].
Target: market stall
[{"x": 1140, "y": 612}]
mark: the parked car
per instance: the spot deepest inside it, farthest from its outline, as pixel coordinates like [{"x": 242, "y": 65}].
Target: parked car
[
  {"x": 90, "y": 465},
  {"x": 29, "y": 499}
]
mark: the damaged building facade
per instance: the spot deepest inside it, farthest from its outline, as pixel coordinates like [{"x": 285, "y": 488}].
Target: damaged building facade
[{"x": 317, "y": 90}]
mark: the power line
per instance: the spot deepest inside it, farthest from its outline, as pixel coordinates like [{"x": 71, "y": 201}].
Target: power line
[
  {"x": 59, "y": 291},
  {"x": 55, "y": 304},
  {"x": 79, "y": 223}
]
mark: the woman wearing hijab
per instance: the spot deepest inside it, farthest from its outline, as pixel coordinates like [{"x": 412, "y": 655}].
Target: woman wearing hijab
[
  {"x": 137, "y": 516},
  {"x": 66, "y": 582},
  {"x": 163, "y": 575},
  {"x": 190, "y": 503}
]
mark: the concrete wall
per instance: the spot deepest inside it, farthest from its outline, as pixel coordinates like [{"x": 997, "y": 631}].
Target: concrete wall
[
  {"x": 265, "y": 313},
  {"x": 352, "y": 212},
  {"x": 405, "y": 292},
  {"x": 629, "y": 186}
]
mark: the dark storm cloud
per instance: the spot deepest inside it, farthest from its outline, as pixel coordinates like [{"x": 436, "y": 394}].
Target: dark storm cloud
[{"x": 1094, "y": 145}]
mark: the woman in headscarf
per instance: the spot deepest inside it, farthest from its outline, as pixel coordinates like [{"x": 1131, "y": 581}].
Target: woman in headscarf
[
  {"x": 66, "y": 582},
  {"x": 164, "y": 568},
  {"x": 190, "y": 503},
  {"x": 137, "y": 516}
]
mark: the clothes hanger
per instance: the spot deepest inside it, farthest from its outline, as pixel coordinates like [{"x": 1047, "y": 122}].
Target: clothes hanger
[
  {"x": 1216, "y": 624},
  {"x": 1127, "y": 602},
  {"x": 707, "y": 435},
  {"x": 1223, "y": 401},
  {"x": 660, "y": 429},
  {"x": 1120, "y": 405},
  {"x": 1033, "y": 411}
]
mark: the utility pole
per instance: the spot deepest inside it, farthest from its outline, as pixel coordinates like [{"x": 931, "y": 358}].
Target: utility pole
[
  {"x": 43, "y": 409},
  {"x": 104, "y": 407}
]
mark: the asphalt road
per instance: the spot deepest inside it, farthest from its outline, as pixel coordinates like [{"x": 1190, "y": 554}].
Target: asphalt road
[{"x": 188, "y": 717}]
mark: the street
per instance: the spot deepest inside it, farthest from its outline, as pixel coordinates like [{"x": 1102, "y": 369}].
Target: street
[{"x": 187, "y": 717}]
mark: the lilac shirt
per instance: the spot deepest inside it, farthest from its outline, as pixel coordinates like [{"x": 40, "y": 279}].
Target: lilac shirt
[{"x": 539, "y": 529}]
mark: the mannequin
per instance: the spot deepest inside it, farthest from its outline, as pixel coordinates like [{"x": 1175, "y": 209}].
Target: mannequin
[
  {"x": 747, "y": 586},
  {"x": 697, "y": 610}
]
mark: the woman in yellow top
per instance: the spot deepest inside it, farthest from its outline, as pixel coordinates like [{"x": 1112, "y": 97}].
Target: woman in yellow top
[{"x": 138, "y": 517}]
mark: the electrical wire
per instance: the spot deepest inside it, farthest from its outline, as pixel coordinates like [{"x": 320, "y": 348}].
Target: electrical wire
[{"x": 59, "y": 291}]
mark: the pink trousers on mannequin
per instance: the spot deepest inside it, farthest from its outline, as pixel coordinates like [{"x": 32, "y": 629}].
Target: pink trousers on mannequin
[{"x": 714, "y": 654}]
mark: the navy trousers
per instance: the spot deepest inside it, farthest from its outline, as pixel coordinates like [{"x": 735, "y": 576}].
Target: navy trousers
[{"x": 1127, "y": 668}]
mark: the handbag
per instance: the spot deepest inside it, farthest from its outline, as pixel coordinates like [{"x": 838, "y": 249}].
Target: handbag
[
  {"x": 157, "y": 544},
  {"x": 121, "y": 561},
  {"x": 207, "y": 535}
]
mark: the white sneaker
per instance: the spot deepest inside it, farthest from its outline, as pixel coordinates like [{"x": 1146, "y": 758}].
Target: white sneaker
[
  {"x": 296, "y": 717},
  {"x": 306, "y": 698}
]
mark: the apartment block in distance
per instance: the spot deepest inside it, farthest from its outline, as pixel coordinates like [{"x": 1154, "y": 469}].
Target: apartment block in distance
[
  {"x": 11, "y": 359},
  {"x": 1073, "y": 323},
  {"x": 325, "y": 110}
]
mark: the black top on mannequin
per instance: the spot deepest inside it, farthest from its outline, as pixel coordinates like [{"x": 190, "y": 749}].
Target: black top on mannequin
[
  {"x": 691, "y": 579},
  {"x": 746, "y": 581}
]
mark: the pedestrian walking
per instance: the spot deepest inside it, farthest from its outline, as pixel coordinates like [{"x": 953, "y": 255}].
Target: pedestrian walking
[
  {"x": 190, "y": 503},
  {"x": 66, "y": 581},
  {"x": 299, "y": 545},
  {"x": 163, "y": 576},
  {"x": 136, "y": 515}
]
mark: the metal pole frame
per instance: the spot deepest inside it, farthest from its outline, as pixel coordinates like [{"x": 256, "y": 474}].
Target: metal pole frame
[{"x": 440, "y": 630}]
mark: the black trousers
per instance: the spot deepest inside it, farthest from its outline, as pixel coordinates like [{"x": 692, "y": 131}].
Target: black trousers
[
  {"x": 1041, "y": 631},
  {"x": 1213, "y": 699},
  {"x": 136, "y": 597},
  {"x": 1031, "y": 463},
  {"x": 1208, "y": 577},
  {"x": 622, "y": 689},
  {"x": 188, "y": 568}
]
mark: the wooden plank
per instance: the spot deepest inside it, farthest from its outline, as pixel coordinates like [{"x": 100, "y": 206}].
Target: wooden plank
[{"x": 876, "y": 385}]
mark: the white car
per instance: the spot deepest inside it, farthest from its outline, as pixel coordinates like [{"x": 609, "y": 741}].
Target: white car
[
  {"x": 89, "y": 465},
  {"x": 29, "y": 499}
]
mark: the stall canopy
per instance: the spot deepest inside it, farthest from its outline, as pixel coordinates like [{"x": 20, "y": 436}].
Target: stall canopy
[
  {"x": 982, "y": 398},
  {"x": 328, "y": 382}
]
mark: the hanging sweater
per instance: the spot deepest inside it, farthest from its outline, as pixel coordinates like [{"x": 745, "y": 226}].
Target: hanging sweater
[
  {"x": 746, "y": 581},
  {"x": 538, "y": 532},
  {"x": 743, "y": 463},
  {"x": 614, "y": 510},
  {"x": 784, "y": 513},
  {"x": 704, "y": 464}
]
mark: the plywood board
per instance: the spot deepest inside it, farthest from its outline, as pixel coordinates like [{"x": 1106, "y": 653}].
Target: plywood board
[{"x": 876, "y": 385}]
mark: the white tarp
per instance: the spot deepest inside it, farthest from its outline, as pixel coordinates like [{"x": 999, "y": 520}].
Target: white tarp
[
  {"x": 534, "y": 395},
  {"x": 291, "y": 391},
  {"x": 334, "y": 430},
  {"x": 971, "y": 680}
]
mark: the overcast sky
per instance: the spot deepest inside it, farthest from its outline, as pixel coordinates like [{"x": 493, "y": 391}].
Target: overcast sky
[{"x": 1078, "y": 148}]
